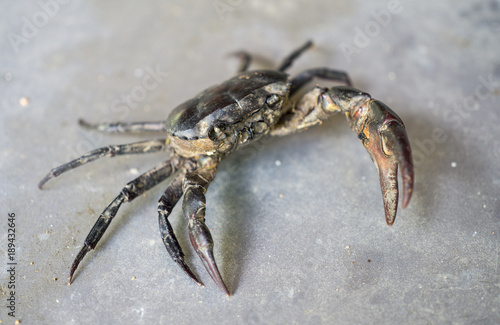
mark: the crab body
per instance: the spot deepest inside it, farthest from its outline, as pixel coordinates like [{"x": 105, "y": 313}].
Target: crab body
[
  {"x": 202, "y": 131},
  {"x": 233, "y": 113}
]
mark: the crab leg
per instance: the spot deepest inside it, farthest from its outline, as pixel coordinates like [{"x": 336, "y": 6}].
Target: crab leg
[
  {"x": 165, "y": 206},
  {"x": 287, "y": 62},
  {"x": 307, "y": 76},
  {"x": 125, "y": 127},
  {"x": 132, "y": 190},
  {"x": 383, "y": 134},
  {"x": 194, "y": 206},
  {"x": 245, "y": 60},
  {"x": 148, "y": 146}
]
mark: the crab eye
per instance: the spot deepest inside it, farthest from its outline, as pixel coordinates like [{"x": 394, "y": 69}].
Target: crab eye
[
  {"x": 273, "y": 100},
  {"x": 217, "y": 131}
]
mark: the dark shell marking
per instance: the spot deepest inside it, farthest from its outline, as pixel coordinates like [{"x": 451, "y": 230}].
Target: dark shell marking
[{"x": 231, "y": 113}]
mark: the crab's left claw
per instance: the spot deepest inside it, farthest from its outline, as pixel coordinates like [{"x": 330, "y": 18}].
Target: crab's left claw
[{"x": 383, "y": 134}]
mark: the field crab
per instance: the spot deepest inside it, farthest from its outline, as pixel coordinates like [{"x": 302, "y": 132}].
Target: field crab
[{"x": 201, "y": 131}]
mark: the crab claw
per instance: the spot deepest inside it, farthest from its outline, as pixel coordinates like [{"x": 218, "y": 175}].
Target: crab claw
[{"x": 383, "y": 134}]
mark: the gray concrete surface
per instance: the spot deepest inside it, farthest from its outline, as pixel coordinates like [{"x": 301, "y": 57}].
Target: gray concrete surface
[{"x": 298, "y": 221}]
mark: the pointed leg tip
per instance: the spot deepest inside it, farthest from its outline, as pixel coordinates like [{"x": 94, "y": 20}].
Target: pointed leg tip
[
  {"x": 71, "y": 273},
  {"x": 187, "y": 270},
  {"x": 84, "y": 123},
  {"x": 79, "y": 257},
  {"x": 217, "y": 278},
  {"x": 53, "y": 173},
  {"x": 222, "y": 287},
  {"x": 196, "y": 280},
  {"x": 43, "y": 181},
  {"x": 212, "y": 269},
  {"x": 227, "y": 293},
  {"x": 220, "y": 283}
]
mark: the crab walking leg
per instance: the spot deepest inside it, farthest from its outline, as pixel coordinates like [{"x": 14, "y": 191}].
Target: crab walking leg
[
  {"x": 194, "y": 206},
  {"x": 380, "y": 130},
  {"x": 148, "y": 146},
  {"x": 125, "y": 127},
  {"x": 166, "y": 204},
  {"x": 287, "y": 62},
  {"x": 132, "y": 190},
  {"x": 245, "y": 60},
  {"x": 323, "y": 73}
]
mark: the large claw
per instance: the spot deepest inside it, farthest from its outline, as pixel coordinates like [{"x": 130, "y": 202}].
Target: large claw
[{"x": 383, "y": 134}]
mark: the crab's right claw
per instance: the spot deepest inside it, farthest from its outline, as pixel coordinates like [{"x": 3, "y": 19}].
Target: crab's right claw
[{"x": 383, "y": 134}]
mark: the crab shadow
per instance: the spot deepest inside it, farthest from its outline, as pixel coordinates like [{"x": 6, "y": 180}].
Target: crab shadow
[
  {"x": 432, "y": 169},
  {"x": 243, "y": 207},
  {"x": 434, "y": 161}
]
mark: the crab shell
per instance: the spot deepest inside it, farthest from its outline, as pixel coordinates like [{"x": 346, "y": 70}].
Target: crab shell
[{"x": 228, "y": 115}]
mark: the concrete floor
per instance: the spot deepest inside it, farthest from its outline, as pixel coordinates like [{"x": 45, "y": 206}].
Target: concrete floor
[{"x": 298, "y": 221}]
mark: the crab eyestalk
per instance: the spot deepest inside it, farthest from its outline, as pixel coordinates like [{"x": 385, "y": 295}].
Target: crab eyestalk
[{"x": 383, "y": 134}]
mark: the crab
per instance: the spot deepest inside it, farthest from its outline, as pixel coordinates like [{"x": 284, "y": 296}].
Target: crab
[{"x": 202, "y": 131}]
